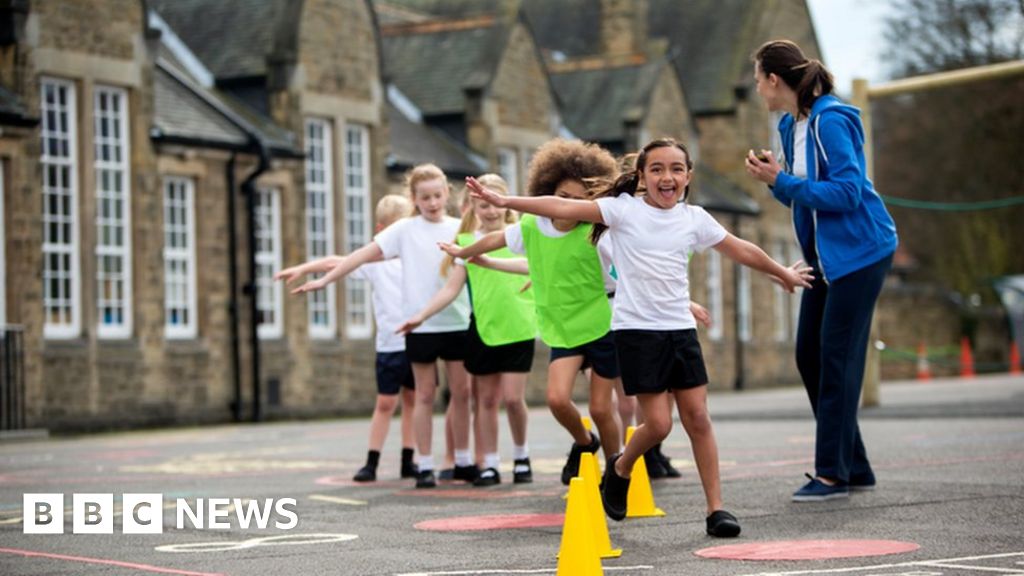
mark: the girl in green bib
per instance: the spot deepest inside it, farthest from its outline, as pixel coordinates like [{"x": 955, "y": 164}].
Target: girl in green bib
[
  {"x": 572, "y": 307},
  {"x": 501, "y": 335}
]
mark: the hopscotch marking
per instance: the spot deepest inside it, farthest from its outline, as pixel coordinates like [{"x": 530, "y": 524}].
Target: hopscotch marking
[{"x": 948, "y": 563}]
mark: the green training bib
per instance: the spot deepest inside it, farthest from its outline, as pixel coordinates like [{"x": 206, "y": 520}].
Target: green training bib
[
  {"x": 503, "y": 313},
  {"x": 572, "y": 308}
]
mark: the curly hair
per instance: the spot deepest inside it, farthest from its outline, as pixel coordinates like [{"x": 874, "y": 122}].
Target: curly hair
[{"x": 559, "y": 160}]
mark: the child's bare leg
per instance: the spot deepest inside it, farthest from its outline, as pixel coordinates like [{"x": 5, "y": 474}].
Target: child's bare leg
[
  {"x": 603, "y": 414},
  {"x": 625, "y": 407},
  {"x": 693, "y": 411},
  {"x": 656, "y": 427},
  {"x": 513, "y": 391},
  {"x": 458, "y": 380},
  {"x": 425, "y": 375},
  {"x": 408, "y": 405},
  {"x": 381, "y": 420},
  {"x": 488, "y": 388},
  {"x": 561, "y": 377}
]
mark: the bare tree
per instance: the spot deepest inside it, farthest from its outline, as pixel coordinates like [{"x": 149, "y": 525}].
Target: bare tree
[{"x": 925, "y": 36}]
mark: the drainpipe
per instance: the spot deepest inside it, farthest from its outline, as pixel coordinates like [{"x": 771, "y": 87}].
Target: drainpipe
[
  {"x": 738, "y": 384},
  {"x": 236, "y": 359},
  {"x": 249, "y": 289}
]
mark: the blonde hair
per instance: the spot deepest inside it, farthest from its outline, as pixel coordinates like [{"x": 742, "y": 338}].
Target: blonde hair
[
  {"x": 391, "y": 208},
  {"x": 469, "y": 223},
  {"x": 419, "y": 174}
]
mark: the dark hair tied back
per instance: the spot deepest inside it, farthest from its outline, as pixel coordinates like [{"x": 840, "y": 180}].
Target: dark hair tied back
[{"x": 807, "y": 77}]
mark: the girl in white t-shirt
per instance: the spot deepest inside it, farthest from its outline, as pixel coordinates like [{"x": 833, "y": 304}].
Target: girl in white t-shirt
[
  {"x": 414, "y": 240},
  {"x": 655, "y": 332}
]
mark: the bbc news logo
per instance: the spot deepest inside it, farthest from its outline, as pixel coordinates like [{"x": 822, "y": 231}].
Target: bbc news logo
[{"x": 144, "y": 513}]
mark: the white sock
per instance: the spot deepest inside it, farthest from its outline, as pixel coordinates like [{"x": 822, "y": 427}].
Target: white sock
[
  {"x": 426, "y": 462},
  {"x": 463, "y": 458},
  {"x": 520, "y": 452},
  {"x": 492, "y": 460}
]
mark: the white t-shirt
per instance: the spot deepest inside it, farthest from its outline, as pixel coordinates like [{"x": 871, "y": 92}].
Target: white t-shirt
[
  {"x": 385, "y": 279},
  {"x": 652, "y": 250},
  {"x": 800, "y": 149},
  {"x": 414, "y": 240},
  {"x": 514, "y": 241}
]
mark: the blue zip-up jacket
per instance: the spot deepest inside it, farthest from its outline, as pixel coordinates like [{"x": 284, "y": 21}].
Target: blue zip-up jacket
[{"x": 837, "y": 214}]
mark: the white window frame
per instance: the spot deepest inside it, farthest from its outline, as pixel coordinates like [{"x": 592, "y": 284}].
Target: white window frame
[
  {"x": 715, "y": 304},
  {"x": 269, "y": 295},
  {"x": 358, "y": 226},
  {"x": 322, "y": 312},
  {"x": 116, "y": 194},
  {"x": 743, "y": 305},
  {"x": 508, "y": 167},
  {"x": 780, "y": 297},
  {"x": 183, "y": 253},
  {"x": 66, "y": 117}
]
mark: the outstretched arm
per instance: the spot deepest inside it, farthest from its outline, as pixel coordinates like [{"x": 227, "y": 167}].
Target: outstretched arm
[
  {"x": 368, "y": 253},
  {"x": 749, "y": 254},
  {"x": 489, "y": 242},
  {"x": 550, "y": 206},
  {"x": 293, "y": 273},
  {"x": 445, "y": 296},
  {"x": 509, "y": 265}
]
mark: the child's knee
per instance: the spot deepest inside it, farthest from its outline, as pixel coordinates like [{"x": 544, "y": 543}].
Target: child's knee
[
  {"x": 387, "y": 403},
  {"x": 696, "y": 420},
  {"x": 557, "y": 401}
]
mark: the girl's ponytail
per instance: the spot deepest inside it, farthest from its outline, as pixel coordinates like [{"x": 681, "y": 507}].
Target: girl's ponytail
[
  {"x": 626, "y": 183},
  {"x": 807, "y": 77}
]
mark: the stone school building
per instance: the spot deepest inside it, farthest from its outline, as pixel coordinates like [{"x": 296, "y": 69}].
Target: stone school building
[{"x": 161, "y": 159}]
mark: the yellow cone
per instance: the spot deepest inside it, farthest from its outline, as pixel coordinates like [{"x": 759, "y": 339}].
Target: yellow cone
[
  {"x": 603, "y": 543},
  {"x": 590, "y": 426},
  {"x": 577, "y": 555},
  {"x": 640, "y": 500}
]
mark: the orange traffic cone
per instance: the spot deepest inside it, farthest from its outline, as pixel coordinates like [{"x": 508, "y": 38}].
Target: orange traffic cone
[
  {"x": 924, "y": 372},
  {"x": 1014, "y": 358},
  {"x": 640, "y": 498},
  {"x": 578, "y": 555},
  {"x": 966, "y": 358}
]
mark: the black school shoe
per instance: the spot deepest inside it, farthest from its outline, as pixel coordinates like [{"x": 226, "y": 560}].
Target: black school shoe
[
  {"x": 487, "y": 477},
  {"x": 522, "y": 473},
  {"x": 614, "y": 491},
  {"x": 722, "y": 524},
  {"x": 425, "y": 479},
  {"x": 467, "y": 473},
  {"x": 409, "y": 470},
  {"x": 366, "y": 474},
  {"x": 572, "y": 465},
  {"x": 655, "y": 468}
]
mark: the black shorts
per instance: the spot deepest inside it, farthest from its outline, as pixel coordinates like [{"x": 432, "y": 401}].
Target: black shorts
[
  {"x": 428, "y": 347},
  {"x": 656, "y": 361},
  {"x": 393, "y": 373},
  {"x": 600, "y": 355},
  {"x": 482, "y": 359}
]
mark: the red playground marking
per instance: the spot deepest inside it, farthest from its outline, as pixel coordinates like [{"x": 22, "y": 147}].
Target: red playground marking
[
  {"x": 495, "y": 522},
  {"x": 118, "y": 563},
  {"x": 807, "y": 549}
]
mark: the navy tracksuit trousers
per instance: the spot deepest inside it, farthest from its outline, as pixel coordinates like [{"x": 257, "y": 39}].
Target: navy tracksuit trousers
[{"x": 831, "y": 346}]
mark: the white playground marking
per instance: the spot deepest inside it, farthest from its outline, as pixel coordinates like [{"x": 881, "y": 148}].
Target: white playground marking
[
  {"x": 513, "y": 571},
  {"x": 337, "y": 500},
  {"x": 939, "y": 563},
  {"x": 287, "y": 539}
]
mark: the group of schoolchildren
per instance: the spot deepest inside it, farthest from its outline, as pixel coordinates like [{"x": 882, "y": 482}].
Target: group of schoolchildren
[{"x": 606, "y": 256}]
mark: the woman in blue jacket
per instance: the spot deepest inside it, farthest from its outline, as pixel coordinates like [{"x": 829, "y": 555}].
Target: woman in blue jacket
[{"x": 847, "y": 236}]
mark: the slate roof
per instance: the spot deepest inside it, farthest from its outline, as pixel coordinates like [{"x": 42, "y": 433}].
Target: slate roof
[
  {"x": 434, "y": 69},
  {"x": 414, "y": 143},
  {"x": 601, "y": 101},
  {"x": 181, "y": 114},
  {"x": 709, "y": 40},
  {"x": 231, "y": 37},
  {"x": 13, "y": 111}
]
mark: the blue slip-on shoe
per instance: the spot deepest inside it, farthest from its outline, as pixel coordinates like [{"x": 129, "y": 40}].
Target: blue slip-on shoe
[
  {"x": 818, "y": 491},
  {"x": 861, "y": 482}
]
